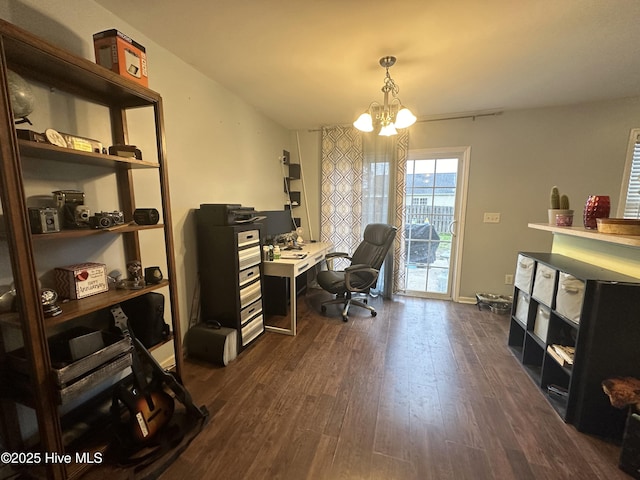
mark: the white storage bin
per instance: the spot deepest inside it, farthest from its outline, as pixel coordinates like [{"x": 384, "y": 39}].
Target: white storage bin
[
  {"x": 522, "y": 307},
  {"x": 569, "y": 297},
  {"x": 524, "y": 273},
  {"x": 544, "y": 284},
  {"x": 541, "y": 325}
]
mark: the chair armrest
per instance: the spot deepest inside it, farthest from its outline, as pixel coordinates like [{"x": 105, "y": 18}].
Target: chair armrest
[
  {"x": 331, "y": 255},
  {"x": 360, "y": 268}
]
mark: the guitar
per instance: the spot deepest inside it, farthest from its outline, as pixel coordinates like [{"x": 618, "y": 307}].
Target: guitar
[
  {"x": 149, "y": 406},
  {"x": 144, "y": 415}
]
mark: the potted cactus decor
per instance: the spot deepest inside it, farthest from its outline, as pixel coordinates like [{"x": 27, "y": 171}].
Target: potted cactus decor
[{"x": 560, "y": 213}]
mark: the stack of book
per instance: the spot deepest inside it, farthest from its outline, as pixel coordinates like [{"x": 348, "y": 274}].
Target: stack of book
[{"x": 562, "y": 354}]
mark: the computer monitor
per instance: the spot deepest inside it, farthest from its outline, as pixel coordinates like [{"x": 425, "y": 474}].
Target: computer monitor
[{"x": 276, "y": 223}]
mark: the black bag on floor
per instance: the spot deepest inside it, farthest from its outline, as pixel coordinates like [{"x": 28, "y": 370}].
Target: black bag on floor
[{"x": 146, "y": 318}]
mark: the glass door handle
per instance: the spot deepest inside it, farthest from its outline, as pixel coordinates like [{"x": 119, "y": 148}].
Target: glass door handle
[{"x": 452, "y": 227}]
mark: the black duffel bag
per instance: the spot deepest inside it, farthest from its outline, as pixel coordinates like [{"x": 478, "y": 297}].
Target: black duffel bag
[{"x": 146, "y": 318}]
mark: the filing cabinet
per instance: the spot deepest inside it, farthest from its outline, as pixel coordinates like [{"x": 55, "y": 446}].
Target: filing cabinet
[
  {"x": 561, "y": 301},
  {"x": 231, "y": 280}
]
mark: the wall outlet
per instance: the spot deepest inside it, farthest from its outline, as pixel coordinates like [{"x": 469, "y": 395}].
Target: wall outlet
[
  {"x": 508, "y": 279},
  {"x": 491, "y": 218}
]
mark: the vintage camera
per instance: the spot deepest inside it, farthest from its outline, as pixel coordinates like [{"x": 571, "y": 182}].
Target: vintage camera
[
  {"x": 67, "y": 202},
  {"x": 82, "y": 215},
  {"x": 106, "y": 219},
  {"x": 44, "y": 220}
]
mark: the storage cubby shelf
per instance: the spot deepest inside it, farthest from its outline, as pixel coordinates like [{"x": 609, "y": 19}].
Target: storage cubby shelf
[{"x": 589, "y": 308}]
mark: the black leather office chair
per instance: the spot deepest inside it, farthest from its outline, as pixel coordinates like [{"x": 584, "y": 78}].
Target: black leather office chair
[{"x": 362, "y": 274}]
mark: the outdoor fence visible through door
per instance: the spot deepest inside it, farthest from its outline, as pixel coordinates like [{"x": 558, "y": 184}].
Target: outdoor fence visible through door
[{"x": 432, "y": 214}]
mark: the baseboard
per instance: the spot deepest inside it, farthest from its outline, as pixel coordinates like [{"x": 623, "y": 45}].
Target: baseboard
[{"x": 469, "y": 300}]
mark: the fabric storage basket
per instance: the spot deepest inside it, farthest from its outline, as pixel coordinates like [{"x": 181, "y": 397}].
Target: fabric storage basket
[
  {"x": 522, "y": 307},
  {"x": 524, "y": 273},
  {"x": 541, "y": 325},
  {"x": 544, "y": 284},
  {"x": 569, "y": 297}
]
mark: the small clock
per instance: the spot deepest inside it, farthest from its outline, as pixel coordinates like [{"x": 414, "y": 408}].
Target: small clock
[{"x": 55, "y": 138}]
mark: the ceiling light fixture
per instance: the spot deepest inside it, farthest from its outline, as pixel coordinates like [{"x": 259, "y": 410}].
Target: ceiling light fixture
[{"x": 391, "y": 114}]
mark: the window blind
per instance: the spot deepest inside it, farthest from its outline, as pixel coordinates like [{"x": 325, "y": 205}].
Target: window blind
[{"x": 632, "y": 197}]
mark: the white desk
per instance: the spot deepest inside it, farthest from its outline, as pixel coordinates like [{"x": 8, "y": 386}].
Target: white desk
[{"x": 291, "y": 268}]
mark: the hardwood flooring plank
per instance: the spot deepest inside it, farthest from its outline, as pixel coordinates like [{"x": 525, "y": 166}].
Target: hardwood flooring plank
[{"x": 426, "y": 390}]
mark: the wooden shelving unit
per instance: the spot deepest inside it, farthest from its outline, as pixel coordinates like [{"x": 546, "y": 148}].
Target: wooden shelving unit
[{"x": 39, "y": 61}]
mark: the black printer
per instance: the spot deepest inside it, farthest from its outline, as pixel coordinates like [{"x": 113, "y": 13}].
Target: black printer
[{"x": 223, "y": 214}]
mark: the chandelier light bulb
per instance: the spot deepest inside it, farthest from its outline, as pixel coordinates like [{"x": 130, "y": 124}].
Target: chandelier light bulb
[
  {"x": 388, "y": 130},
  {"x": 405, "y": 118},
  {"x": 364, "y": 123}
]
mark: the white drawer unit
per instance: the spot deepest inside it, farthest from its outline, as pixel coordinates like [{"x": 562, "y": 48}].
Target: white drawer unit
[
  {"x": 230, "y": 267},
  {"x": 544, "y": 284},
  {"x": 524, "y": 273},
  {"x": 570, "y": 297}
]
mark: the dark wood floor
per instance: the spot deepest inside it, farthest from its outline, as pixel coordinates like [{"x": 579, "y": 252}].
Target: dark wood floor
[{"x": 425, "y": 390}]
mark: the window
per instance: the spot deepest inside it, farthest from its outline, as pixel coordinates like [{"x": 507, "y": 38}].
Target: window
[{"x": 629, "y": 205}]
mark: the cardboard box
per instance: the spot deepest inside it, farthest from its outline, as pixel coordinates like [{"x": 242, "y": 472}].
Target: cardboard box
[
  {"x": 81, "y": 280},
  {"x": 119, "y": 53}
]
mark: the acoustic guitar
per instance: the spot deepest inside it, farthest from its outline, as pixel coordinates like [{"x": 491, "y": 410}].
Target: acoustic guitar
[{"x": 150, "y": 407}]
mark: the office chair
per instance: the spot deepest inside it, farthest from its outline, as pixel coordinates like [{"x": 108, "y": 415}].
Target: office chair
[{"x": 362, "y": 274}]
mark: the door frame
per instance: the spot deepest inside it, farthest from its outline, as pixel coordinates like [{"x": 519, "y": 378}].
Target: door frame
[{"x": 460, "y": 208}]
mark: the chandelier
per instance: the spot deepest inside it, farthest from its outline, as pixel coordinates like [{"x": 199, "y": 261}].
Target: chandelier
[{"x": 391, "y": 114}]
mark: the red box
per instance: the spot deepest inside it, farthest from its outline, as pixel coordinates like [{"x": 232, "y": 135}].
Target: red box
[{"x": 121, "y": 54}]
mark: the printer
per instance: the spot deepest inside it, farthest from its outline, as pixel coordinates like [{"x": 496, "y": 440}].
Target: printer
[{"x": 223, "y": 214}]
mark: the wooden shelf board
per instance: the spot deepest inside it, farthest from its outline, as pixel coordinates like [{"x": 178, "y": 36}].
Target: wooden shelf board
[
  {"x": 69, "y": 155},
  {"x": 77, "y": 308},
  {"x": 86, "y": 232},
  {"x": 628, "y": 240}
]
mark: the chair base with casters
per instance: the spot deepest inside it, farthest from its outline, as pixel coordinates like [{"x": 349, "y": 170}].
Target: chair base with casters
[
  {"x": 348, "y": 301},
  {"x": 362, "y": 274}
]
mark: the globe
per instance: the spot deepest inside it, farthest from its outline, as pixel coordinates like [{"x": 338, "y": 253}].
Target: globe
[{"x": 20, "y": 94}]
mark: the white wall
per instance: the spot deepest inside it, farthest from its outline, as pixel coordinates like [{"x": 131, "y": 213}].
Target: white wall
[
  {"x": 515, "y": 160},
  {"x": 220, "y": 149}
]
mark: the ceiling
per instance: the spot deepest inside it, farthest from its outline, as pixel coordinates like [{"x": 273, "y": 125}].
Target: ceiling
[{"x": 307, "y": 63}]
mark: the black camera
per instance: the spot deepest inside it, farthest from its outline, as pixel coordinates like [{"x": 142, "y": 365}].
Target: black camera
[{"x": 106, "y": 219}]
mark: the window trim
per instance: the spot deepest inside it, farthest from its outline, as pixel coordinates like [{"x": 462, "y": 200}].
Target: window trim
[{"x": 632, "y": 163}]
